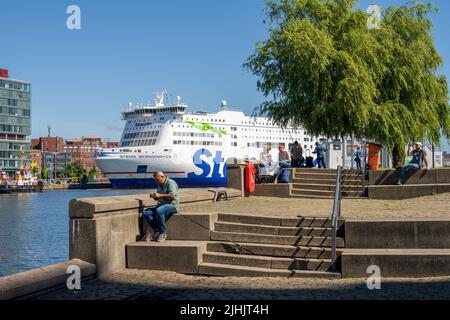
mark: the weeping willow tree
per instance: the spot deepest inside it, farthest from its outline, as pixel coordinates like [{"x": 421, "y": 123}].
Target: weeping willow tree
[{"x": 323, "y": 69}]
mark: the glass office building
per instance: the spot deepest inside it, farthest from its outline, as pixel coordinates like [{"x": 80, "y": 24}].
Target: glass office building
[{"x": 15, "y": 123}]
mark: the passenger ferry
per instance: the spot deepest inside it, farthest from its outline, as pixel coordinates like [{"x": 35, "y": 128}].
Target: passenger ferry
[{"x": 192, "y": 148}]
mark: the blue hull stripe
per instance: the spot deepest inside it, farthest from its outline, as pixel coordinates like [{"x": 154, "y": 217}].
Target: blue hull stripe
[{"x": 182, "y": 182}]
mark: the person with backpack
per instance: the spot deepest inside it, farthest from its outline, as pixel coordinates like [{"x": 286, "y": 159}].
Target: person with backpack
[
  {"x": 297, "y": 155},
  {"x": 320, "y": 151},
  {"x": 358, "y": 157},
  {"x": 419, "y": 157},
  {"x": 284, "y": 162}
]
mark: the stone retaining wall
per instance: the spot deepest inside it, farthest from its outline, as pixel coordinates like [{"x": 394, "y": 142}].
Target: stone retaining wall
[{"x": 100, "y": 228}]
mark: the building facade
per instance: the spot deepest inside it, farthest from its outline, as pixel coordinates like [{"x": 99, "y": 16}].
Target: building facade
[
  {"x": 15, "y": 123},
  {"x": 54, "y": 154},
  {"x": 48, "y": 144},
  {"x": 85, "y": 149},
  {"x": 47, "y": 153}
]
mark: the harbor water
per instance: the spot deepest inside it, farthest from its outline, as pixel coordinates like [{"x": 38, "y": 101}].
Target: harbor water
[{"x": 34, "y": 226}]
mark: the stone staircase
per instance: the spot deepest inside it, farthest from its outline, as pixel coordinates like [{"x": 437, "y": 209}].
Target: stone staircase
[
  {"x": 321, "y": 183},
  {"x": 274, "y": 247}
]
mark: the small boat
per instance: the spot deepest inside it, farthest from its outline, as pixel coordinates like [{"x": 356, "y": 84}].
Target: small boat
[{"x": 24, "y": 181}]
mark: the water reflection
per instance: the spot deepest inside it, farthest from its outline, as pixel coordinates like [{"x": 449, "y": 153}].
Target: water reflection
[{"x": 34, "y": 227}]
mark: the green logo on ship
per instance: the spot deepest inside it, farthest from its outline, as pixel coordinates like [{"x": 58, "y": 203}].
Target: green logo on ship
[{"x": 202, "y": 126}]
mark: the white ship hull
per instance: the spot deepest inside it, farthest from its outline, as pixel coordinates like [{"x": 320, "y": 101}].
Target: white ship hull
[
  {"x": 191, "y": 148},
  {"x": 189, "y": 168}
]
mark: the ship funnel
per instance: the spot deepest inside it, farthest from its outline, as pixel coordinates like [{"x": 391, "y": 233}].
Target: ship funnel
[{"x": 223, "y": 104}]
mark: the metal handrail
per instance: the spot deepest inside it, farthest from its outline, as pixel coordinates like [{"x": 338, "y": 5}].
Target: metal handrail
[{"x": 335, "y": 216}]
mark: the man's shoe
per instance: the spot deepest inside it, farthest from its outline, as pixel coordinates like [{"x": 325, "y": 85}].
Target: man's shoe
[
  {"x": 150, "y": 237},
  {"x": 161, "y": 237},
  {"x": 147, "y": 237},
  {"x": 154, "y": 236}
]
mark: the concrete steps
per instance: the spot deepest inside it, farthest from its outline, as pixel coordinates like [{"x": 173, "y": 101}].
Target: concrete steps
[
  {"x": 315, "y": 176},
  {"x": 325, "y": 187},
  {"x": 349, "y": 182},
  {"x": 270, "y": 246},
  {"x": 272, "y": 230},
  {"x": 282, "y": 240},
  {"x": 214, "y": 269},
  {"x": 321, "y": 183},
  {"x": 276, "y": 221},
  {"x": 267, "y": 262},
  {"x": 309, "y": 196},
  {"x": 274, "y": 250},
  {"x": 312, "y": 192}
]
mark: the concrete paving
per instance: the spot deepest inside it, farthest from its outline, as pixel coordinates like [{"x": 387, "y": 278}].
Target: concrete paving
[
  {"x": 162, "y": 285},
  {"x": 437, "y": 206}
]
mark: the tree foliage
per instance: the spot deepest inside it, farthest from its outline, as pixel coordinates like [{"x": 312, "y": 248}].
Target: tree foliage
[
  {"x": 322, "y": 68},
  {"x": 74, "y": 170}
]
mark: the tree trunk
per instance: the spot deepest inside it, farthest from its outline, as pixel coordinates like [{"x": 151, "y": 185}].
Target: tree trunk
[{"x": 398, "y": 157}]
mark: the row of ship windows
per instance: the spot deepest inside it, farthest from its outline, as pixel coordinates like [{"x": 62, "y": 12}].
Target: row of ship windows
[
  {"x": 233, "y": 144},
  {"x": 138, "y": 143},
  {"x": 198, "y": 143},
  {"x": 233, "y": 136},
  {"x": 248, "y": 129},
  {"x": 242, "y": 122},
  {"x": 195, "y": 134},
  {"x": 149, "y": 126},
  {"x": 137, "y": 135},
  {"x": 271, "y": 144}
]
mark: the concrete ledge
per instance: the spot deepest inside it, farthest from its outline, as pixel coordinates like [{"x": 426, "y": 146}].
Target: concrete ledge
[
  {"x": 396, "y": 234},
  {"x": 42, "y": 280},
  {"x": 187, "y": 226},
  {"x": 178, "y": 256},
  {"x": 102, "y": 240},
  {"x": 395, "y": 192},
  {"x": 396, "y": 263},
  {"x": 279, "y": 190},
  {"x": 89, "y": 207},
  {"x": 442, "y": 175},
  {"x": 390, "y": 177}
]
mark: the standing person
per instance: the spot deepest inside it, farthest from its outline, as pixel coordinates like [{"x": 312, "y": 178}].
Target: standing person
[
  {"x": 320, "y": 151},
  {"x": 419, "y": 157},
  {"x": 167, "y": 204},
  {"x": 284, "y": 158},
  {"x": 297, "y": 155},
  {"x": 358, "y": 157}
]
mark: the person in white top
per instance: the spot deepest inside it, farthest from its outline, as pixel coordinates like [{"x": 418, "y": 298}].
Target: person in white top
[{"x": 265, "y": 158}]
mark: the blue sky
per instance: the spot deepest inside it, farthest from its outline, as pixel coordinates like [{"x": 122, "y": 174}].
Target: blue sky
[{"x": 126, "y": 50}]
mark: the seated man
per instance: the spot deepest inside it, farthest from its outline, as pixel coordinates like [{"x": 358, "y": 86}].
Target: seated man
[
  {"x": 168, "y": 204},
  {"x": 284, "y": 158},
  {"x": 418, "y": 158}
]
